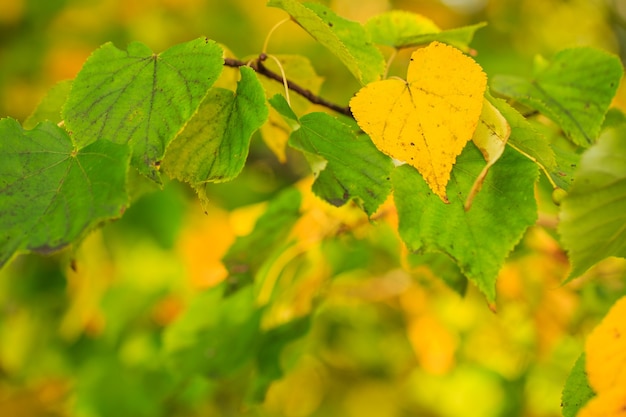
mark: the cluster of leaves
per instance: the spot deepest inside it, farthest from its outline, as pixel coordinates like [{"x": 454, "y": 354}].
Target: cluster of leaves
[{"x": 460, "y": 159}]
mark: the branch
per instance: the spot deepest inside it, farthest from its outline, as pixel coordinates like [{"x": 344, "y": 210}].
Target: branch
[{"x": 263, "y": 70}]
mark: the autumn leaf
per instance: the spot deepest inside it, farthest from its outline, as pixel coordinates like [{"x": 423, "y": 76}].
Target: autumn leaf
[
  {"x": 490, "y": 138},
  {"x": 402, "y": 29},
  {"x": 426, "y": 120},
  {"x": 605, "y": 351}
]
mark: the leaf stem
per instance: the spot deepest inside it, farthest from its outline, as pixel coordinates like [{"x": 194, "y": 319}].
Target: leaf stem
[
  {"x": 545, "y": 170},
  {"x": 307, "y": 94},
  {"x": 390, "y": 60},
  {"x": 282, "y": 72},
  {"x": 269, "y": 34}
]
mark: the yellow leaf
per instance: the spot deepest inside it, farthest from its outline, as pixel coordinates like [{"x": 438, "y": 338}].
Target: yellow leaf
[
  {"x": 490, "y": 137},
  {"x": 606, "y": 352},
  {"x": 606, "y": 404},
  {"x": 427, "y": 120}
]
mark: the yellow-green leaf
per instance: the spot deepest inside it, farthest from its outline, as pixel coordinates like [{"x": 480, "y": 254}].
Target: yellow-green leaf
[
  {"x": 490, "y": 138},
  {"x": 402, "y": 29},
  {"x": 426, "y": 120}
]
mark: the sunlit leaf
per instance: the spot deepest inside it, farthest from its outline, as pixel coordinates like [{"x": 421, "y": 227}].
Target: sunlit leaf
[
  {"x": 559, "y": 163},
  {"x": 427, "y": 120},
  {"x": 346, "y": 39},
  {"x": 490, "y": 138},
  {"x": 390, "y": 28},
  {"x": 593, "y": 215},
  {"x": 575, "y": 90},
  {"x": 480, "y": 239},
  {"x": 214, "y": 145},
  {"x": 141, "y": 98},
  {"x": 51, "y": 193},
  {"x": 605, "y": 351},
  {"x": 351, "y": 166},
  {"x": 402, "y": 29},
  {"x": 610, "y": 404}
]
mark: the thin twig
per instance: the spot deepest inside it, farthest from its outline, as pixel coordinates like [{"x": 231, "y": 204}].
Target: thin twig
[{"x": 308, "y": 94}]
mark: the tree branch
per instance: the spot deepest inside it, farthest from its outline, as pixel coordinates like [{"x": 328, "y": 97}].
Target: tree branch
[{"x": 258, "y": 66}]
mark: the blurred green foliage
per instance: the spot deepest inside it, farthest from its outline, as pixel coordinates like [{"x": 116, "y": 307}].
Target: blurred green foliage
[{"x": 134, "y": 322}]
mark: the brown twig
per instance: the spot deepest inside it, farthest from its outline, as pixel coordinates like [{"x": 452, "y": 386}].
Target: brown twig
[{"x": 258, "y": 66}]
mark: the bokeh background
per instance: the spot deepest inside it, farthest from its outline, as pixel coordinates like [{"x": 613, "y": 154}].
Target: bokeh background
[{"x": 82, "y": 332}]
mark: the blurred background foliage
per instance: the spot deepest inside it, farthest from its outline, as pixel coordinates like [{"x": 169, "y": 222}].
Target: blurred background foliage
[{"x": 133, "y": 321}]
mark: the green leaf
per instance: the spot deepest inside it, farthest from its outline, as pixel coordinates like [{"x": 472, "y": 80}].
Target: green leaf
[
  {"x": 525, "y": 138},
  {"x": 279, "y": 103},
  {"x": 391, "y": 28},
  {"x": 51, "y": 194},
  {"x": 246, "y": 256},
  {"x": 214, "y": 145},
  {"x": 355, "y": 169},
  {"x": 480, "y": 239},
  {"x": 575, "y": 90},
  {"x": 348, "y": 40},
  {"x": 50, "y": 107},
  {"x": 299, "y": 69},
  {"x": 567, "y": 161},
  {"x": 141, "y": 98},
  {"x": 352, "y": 167},
  {"x": 593, "y": 215},
  {"x": 577, "y": 391},
  {"x": 401, "y": 29}
]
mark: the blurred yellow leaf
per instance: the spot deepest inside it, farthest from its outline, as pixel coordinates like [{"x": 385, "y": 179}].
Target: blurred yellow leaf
[
  {"x": 432, "y": 341},
  {"x": 88, "y": 278},
  {"x": 11, "y": 11},
  {"x": 434, "y": 345},
  {"x": 606, "y": 364},
  {"x": 606, "y": 350},
  {"x": 426, "y": 120},
  {"x": 300, "y": 392},
  {"x": 202, "y": 243}
]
